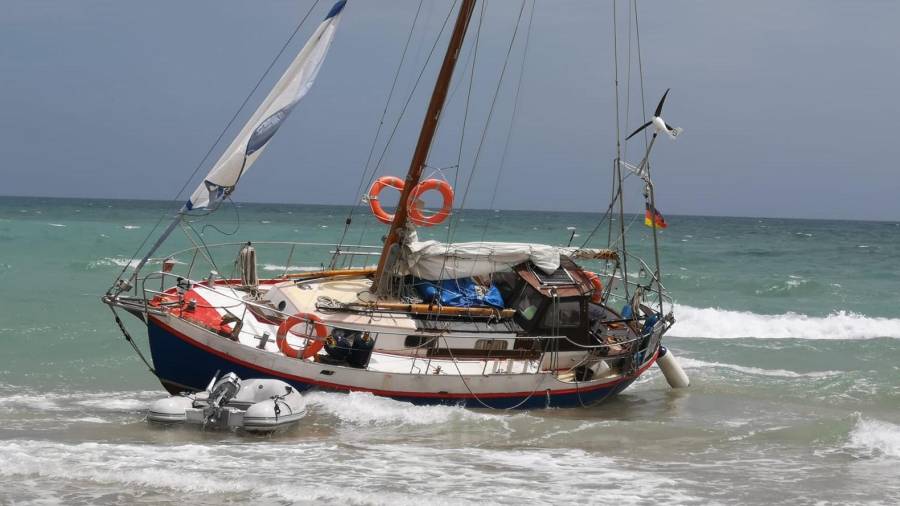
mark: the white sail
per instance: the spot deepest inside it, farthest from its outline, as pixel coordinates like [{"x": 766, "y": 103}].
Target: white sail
[{"x": 251, "y": 141}]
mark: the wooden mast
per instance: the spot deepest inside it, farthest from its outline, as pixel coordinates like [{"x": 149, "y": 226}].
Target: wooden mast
[{"x": 426, "y": 135}]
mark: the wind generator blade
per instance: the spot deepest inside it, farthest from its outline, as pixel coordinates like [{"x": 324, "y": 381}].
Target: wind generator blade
[
  {"x": 645, "y": 125},
  {"x": 253, "y": 137},
  {"x": 661, "y": 102}
]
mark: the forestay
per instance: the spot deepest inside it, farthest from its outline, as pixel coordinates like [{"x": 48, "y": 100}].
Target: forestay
[{"x": 250, "y": 142}]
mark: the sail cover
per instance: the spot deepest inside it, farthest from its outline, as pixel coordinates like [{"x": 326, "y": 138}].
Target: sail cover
[
  {"x": 435, "y": 260},
  {"x": 251, "y": 141}
]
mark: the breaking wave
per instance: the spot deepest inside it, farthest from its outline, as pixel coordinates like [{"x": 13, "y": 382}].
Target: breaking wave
[
  {"x": 727, "y": 324},
  {"x": 291, "y": 268},
  {"x": 689, "y": 363},
  {"x": 122, "y": 262},
  {"x": 18, "y": 398},
  {"x": 113, "y": 261},
  {"x": 453, "y": 476},
  {"x": 875, "y": 438},
  {"x": 361, "y": 408}
]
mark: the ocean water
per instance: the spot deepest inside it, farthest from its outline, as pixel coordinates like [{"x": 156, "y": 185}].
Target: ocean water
[{"x": 789, "y": 330}]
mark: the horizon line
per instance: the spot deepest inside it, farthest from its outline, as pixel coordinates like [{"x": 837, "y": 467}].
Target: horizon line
[{"x": 3, "y": 196}]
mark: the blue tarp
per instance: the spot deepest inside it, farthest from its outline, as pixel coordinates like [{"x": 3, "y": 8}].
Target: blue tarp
[{"x": 462, "y": 292}]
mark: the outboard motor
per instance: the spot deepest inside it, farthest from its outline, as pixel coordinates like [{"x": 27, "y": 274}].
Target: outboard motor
[{"x": 224, "y": 390}]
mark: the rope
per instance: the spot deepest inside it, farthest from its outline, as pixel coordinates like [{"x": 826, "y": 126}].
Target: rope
[
  {"x": 131, "y": 341},
  {"x": 475, "y": 396}
]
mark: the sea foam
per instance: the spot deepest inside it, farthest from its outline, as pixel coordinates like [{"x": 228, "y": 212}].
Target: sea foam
[
  {"x": 875, "y": 438},
  {"x": 453, "y": 475},
  {"x": 728, "y": 324},
  {"x": 689, "y": 363},
  {"x": 360, "y": 408},
  {"x": 292, "y": 268}
]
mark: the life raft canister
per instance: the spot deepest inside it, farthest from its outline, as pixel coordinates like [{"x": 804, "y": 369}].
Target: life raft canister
[
  {"x": 594, "y": 278},
  {"x": 315, "y": 343},
  {"x": 415, "y": 213}
]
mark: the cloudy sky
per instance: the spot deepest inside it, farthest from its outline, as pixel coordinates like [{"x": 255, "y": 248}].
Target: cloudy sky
[{"x": 789, "y": 108}]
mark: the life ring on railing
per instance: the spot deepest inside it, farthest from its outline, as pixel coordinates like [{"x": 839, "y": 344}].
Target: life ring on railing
[
  {"x": 314, "y": 343},
  {"x": 446, "y": 191},
  {"x": 594, "y": 278},
  {"x": 380, "y": 184},
  {"x": 415, "y": 213}
]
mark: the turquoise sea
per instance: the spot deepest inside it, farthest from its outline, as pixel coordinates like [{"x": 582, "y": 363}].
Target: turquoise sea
[{"x": 789, "y": 330}]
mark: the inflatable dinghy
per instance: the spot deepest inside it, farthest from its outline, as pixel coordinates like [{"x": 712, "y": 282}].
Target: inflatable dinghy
[{"x": 254, "y": 405}]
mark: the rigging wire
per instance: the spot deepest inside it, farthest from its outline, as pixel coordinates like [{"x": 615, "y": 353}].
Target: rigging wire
[
  {"x": 512, "y": 120},
  {"x": 462, "y": 136},
  {"x": 403, "y": 110},
  {"x": 355, "y": 203},
  {"x": 618, "y": 165},
  {"x": 454, "y": 225},
  {"x": 222, "y": 134},
  {"x": 455, "y": 219},
  {"x": 658, "y": 273}
]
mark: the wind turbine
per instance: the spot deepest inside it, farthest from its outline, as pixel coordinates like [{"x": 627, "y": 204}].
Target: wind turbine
[{"x": 658, "y": 123}]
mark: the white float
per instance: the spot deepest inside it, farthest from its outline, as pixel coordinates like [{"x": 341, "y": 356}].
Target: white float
[{"x": 671, "y": 369}]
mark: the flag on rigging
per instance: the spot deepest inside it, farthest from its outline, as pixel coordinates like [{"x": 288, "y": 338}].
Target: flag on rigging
[
  {"x": 252, "y": 139},
  {"x": 652, "y": 217}
]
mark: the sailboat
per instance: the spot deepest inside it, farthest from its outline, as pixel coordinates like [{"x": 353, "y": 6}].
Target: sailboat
[{"x": 478, "y": 324}]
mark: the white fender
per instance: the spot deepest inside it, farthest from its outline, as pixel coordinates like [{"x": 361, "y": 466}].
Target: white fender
[
  {"x": 170, "y": 409},
  {"x": 673, "y": 372}
]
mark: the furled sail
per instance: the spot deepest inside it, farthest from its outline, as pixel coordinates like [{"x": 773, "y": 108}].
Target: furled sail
[
  {"x": 251, "y": 141},
  {"x": 436, "y": 260}
]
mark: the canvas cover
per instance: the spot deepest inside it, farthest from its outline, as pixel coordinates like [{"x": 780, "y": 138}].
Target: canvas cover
[{"x": 435, "y": 260}]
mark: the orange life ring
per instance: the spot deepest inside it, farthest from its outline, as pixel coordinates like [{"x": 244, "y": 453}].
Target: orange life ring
[
  {"x": 312, "y": 347},
  {"x": 415, "y": 213},
  {"x": 380, "y": 184},
  {"x": 594, "y": 278}
]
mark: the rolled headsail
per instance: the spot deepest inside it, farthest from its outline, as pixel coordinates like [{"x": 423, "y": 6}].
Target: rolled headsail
[{"x": 252, "y": 140}]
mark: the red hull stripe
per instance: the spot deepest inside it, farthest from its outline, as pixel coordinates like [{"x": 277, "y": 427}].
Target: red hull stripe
[{"x": 388, "y": 393}]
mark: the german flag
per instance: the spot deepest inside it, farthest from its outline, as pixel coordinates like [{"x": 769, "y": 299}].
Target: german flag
[{"x": 652, "y": 217}]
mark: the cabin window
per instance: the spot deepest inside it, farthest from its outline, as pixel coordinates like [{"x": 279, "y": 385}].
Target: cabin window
[
  {"x": 491, "y": 344},
  {"x": 419, "y": 342},
  {"x": 569, "y": 314},
  {"x": 529, "y": 303}
]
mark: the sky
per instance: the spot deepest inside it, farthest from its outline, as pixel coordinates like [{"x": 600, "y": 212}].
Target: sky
[{"x": 789, "y": 109}]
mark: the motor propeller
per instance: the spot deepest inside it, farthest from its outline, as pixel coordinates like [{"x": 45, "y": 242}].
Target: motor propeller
[{"x": 658, "y": 123}]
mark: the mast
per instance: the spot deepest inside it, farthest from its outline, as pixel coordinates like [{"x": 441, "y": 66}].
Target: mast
[{"x": 426, "y": 135}]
